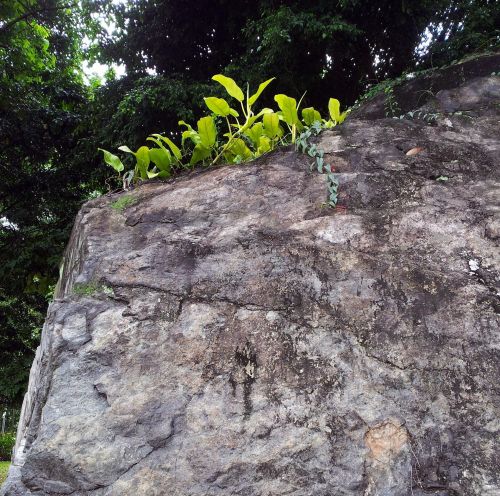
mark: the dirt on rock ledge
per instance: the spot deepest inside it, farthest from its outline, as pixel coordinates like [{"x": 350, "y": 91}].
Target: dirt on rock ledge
[{"x": 229, "y": 335}]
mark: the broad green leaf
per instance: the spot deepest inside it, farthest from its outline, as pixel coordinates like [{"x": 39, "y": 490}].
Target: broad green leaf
[
  {"x": 173, "y": 147},
  {"x": 288, "y": 107},
  {"x": 342, "y": 117},
  {"x": 143, "y": 161},
  {"x": 161, "y": 158},
  {"x": 310, "y": 115},
  {"x": 200, "y": 153},
  {"x": 190, "y": 133},
  {"x": 143, "y": 171},
  {"x": 112, "y": 160},
  {"x": 155, "y": 140},
  {"x": 142, "y": 154},
  {"x": 183, "y": 123},
  {"x": 142, "y": 158},
  {"x": 230, "y": 85},
  {"x": 124, "y": 148},
  {"x": 264, "y": 145},
  {"x": 334, "y": 109},
  {"x": 160, "y": 145},
  {"x": 254, "y": 133},
  {"x": 219, "y": 106},
  {"x": 238, "y": 148},
  {"x": 262, "y": 87},
  {"x": 250, "y": 121},
  {"x": 328, "y": 124},
  {"x": 272, "y": 126},
  {"x": 207, "y": 131},
  {"x": 151, "y": 174}
]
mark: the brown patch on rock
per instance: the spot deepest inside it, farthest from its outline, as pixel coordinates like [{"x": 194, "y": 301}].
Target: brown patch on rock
[{"x": 386, "y": 440}]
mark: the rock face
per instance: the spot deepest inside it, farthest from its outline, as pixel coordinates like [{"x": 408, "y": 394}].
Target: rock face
[{"x": 227, "y": 334}]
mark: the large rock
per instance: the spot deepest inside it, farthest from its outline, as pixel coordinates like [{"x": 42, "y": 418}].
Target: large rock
[{"x": 228, "y": 334}]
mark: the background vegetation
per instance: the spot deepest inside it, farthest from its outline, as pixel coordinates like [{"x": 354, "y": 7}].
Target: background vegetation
[
  {"x": 53, "y": 118},
  {"x": 4, "y": 468}
]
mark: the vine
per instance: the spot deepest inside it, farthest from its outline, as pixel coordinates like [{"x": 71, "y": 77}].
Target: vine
[{"x": 305, "y": 146}]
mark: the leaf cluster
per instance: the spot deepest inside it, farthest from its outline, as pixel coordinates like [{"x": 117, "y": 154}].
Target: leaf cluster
[{"x": 234, "y": 132}]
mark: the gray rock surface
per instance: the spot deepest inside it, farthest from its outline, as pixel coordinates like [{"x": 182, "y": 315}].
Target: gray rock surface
[{"x": 229, "y": 335}]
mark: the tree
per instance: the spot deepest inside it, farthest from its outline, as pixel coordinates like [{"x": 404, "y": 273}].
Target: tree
[
  {"x": 42, "y": 98},
  {"x": 462, "y": 27},
  {"x": 323, "y": 47}
]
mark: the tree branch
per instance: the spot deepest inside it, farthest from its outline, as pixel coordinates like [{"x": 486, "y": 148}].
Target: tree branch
[{"x": 32, "y": 13}]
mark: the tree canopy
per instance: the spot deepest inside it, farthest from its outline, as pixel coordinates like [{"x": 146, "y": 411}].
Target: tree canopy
[
  {"x": 42, "y": 94},
  {"x": 53, "y": 118}
]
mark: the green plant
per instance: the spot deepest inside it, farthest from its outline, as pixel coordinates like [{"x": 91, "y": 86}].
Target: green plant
[
  {"x": 91, "y": 288},
  {"x": 4, "y": 470},
  {"x": 7, "y": 442},
  {"x": 387, "y": 87},
  {"x": 248, "y": 134},
  {"x": 124, "y": 202},
  {"x": 391, "y": 105},
  {"x": 304, "y": 145}
]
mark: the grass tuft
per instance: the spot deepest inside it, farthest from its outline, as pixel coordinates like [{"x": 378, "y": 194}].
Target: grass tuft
[
  {"x": 91, "y": 288},
  {"x": 124, "y": 202},
  {"x": 4, "y": 469}
]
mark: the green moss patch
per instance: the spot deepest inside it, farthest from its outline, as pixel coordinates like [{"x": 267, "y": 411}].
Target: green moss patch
[
  {"x": 91, "y": 288},
  {"x": 124, "y": 202}
]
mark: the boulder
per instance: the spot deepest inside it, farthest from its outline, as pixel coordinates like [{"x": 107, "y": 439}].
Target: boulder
[{"x": 227, "y": 333}]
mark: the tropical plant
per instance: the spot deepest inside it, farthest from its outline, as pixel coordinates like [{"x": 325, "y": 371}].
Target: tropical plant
[{"x": 249, "y": 133}]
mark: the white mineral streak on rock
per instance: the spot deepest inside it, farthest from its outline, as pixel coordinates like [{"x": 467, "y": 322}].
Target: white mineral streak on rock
[{"x": 474, "y": 265}]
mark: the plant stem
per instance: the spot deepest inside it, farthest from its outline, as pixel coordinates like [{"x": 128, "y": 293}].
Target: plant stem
[
  {"x": 225, "y": 147},
  {"x": 243, "y": 108},
  {"x": 229, "y": 127}
]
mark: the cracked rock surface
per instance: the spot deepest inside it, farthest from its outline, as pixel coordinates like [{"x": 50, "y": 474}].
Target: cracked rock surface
[{"x": 229, "y": 335}]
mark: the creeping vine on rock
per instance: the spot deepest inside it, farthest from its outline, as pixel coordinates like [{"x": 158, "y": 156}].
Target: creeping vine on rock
[{"x": 305, "y": 146}]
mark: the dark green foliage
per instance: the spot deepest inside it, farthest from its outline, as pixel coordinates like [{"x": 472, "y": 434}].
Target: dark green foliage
[
  {"x": 7, "y": 442},
  {"x": 41, "y": 104},
  {"x": 129, "y": 109},
  {"x": 188, "y": 39},
  {"x": 464, "y": 27},
  {"x": 322, "y": 47}
]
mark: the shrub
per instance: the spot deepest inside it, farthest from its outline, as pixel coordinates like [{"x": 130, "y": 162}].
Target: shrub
[{"x": 7, "y": 442}]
